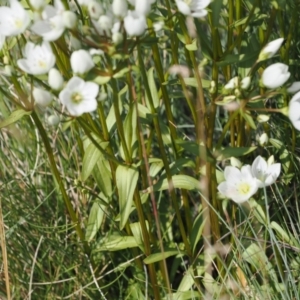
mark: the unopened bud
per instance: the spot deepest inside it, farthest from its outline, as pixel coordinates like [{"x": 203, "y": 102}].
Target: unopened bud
[
  {"x": 263, "y": 118},
  {"x": 245, "y": 83},
  {"x": 53, "y": 120},
  {"x": 263, "y": 139},
  {"x": 235, "y": 162},
  {"x": 69, "y": 19},
  {"x": 55, "y": 79},
  {"x": 41, "y": 97}
]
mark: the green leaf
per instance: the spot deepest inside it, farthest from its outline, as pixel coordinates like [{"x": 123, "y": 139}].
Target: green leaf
[
  {"x": 126, "y": 179},
  {"x": 193, "y": 46},
  {"x": 185, "y": 295},
  {"x": 233, "y": 151},
  {"x": 248, "y": 118},
  {"x": 286, "y": 237},
  {"x": 236, "y": 58},
  {"x": 95, "y": 220},
  {"x": 91, "y": 156},
  {"x": 116, "y": 242},
  {"x": 103, "y": 176},
  {"x": 153, "y": 89},
  {"x": 152, "y": 258},
  {"x": 191, "y": 81},
  {"x": 130, "y": 131},
  {"x": 256, "y": 257},
  {"x": 111, "y": 118},
  {"x": 197, "y": 230},
  {"x": 216, "y": 7},
  {"x": 102, "y": 79},
  {"x": 14, "y": 117},
  {"x": 179, "y": 182},
  {"x": 137, "y": 233}
]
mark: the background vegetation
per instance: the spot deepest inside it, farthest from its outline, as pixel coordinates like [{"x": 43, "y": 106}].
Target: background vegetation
[{"x": 179, "y": 239}]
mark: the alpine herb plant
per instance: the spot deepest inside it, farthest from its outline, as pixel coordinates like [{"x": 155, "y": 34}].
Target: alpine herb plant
[{"x": 149, "y": 149}]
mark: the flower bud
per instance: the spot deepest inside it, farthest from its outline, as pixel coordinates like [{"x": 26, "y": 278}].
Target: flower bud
[
  {"x": 235, "y": 162},
  {"x": 117, "y": 38},
  {"x": 41, "y": 97},
  {"x": 294, "y": 87},
  {"x": 270, "y": 49},
  {"x": 55, "y": 80},
  {"x": 69, "y": 19},
  {"x": 95, "y": 9},
  {"x": 231, "y": 84},
  {"x": 81, "y": 62},
  {"x": 263, "y": 139},
  {"x": 275, "y": 75},
  {"x": 53, "y": 120},
  {"x": 143, "y": 7},
  {"x": 263, "y": 118},
  {"x": 157, "y": 26},
  {"x": 212, "y": 88},
  {"x": 135, "y": 23},
  {"x": 105, "y": 22},
  {"x": 119, "y": 8},
  {"x": 245, "y": 83},
  {"x": 271, "y": 160}
]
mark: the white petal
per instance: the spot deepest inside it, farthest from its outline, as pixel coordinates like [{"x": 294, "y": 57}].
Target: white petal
[{"x": 232, "y": 174}]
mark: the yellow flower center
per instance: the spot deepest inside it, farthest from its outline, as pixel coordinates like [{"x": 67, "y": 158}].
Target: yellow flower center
[
  {"x": 76, "y": 97},
  {"x": 244, "y": 188},
  {"x": 41, "y": 64},
  {"x": 18, "y": 23}
]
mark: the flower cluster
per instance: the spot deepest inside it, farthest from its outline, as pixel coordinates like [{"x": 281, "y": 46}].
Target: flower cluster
[{"x": 241, "y": 184}]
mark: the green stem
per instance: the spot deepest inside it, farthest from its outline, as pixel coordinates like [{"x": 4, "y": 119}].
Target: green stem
[
  {"x": 60, "y": 182},
  {"x": 163, "y": 154}
]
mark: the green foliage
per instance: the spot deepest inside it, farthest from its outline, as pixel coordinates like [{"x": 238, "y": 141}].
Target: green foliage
[{"x": 123, "y": 202}]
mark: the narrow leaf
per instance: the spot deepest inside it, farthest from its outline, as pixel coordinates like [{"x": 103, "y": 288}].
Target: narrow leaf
[
  {"x": 126, "y": 179},
  {"x": 14, "y": 117}
]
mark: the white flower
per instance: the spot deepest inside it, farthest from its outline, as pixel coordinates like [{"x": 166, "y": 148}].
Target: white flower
[
  {"x": 69, "y": 19},
  {"x": 270, "y": 49},
  {"x": 95, "y": 9},
  {"x": 119, "y": 8},
  {"x": 81, "y": 62},
  {"x": 195, "y": 8},
  {"x": 14, "y": 19},
  {"x": 294, "y": 111},
  {"x": 231, "y": 84},
  {"x": 245, "y": 83},
  {"x": 240, "y": 185},
  {"x": 294, "y": 87},
  {"x": 134, "y": 23},
  {"x": 39, "y": 59},
  {"x": 275, "y": 75},
  {"x": 105, "y": 24},
  {"x": 52, "y": 25},
  {"x": 263, "y": 139},
  {"x": 41, "y": 97},
  {"x": 55, "y": 80},
  {"x": 79, "y": 96},
  {"x": 265, "y": 173},
  {"x": 143, "y": 7}
]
